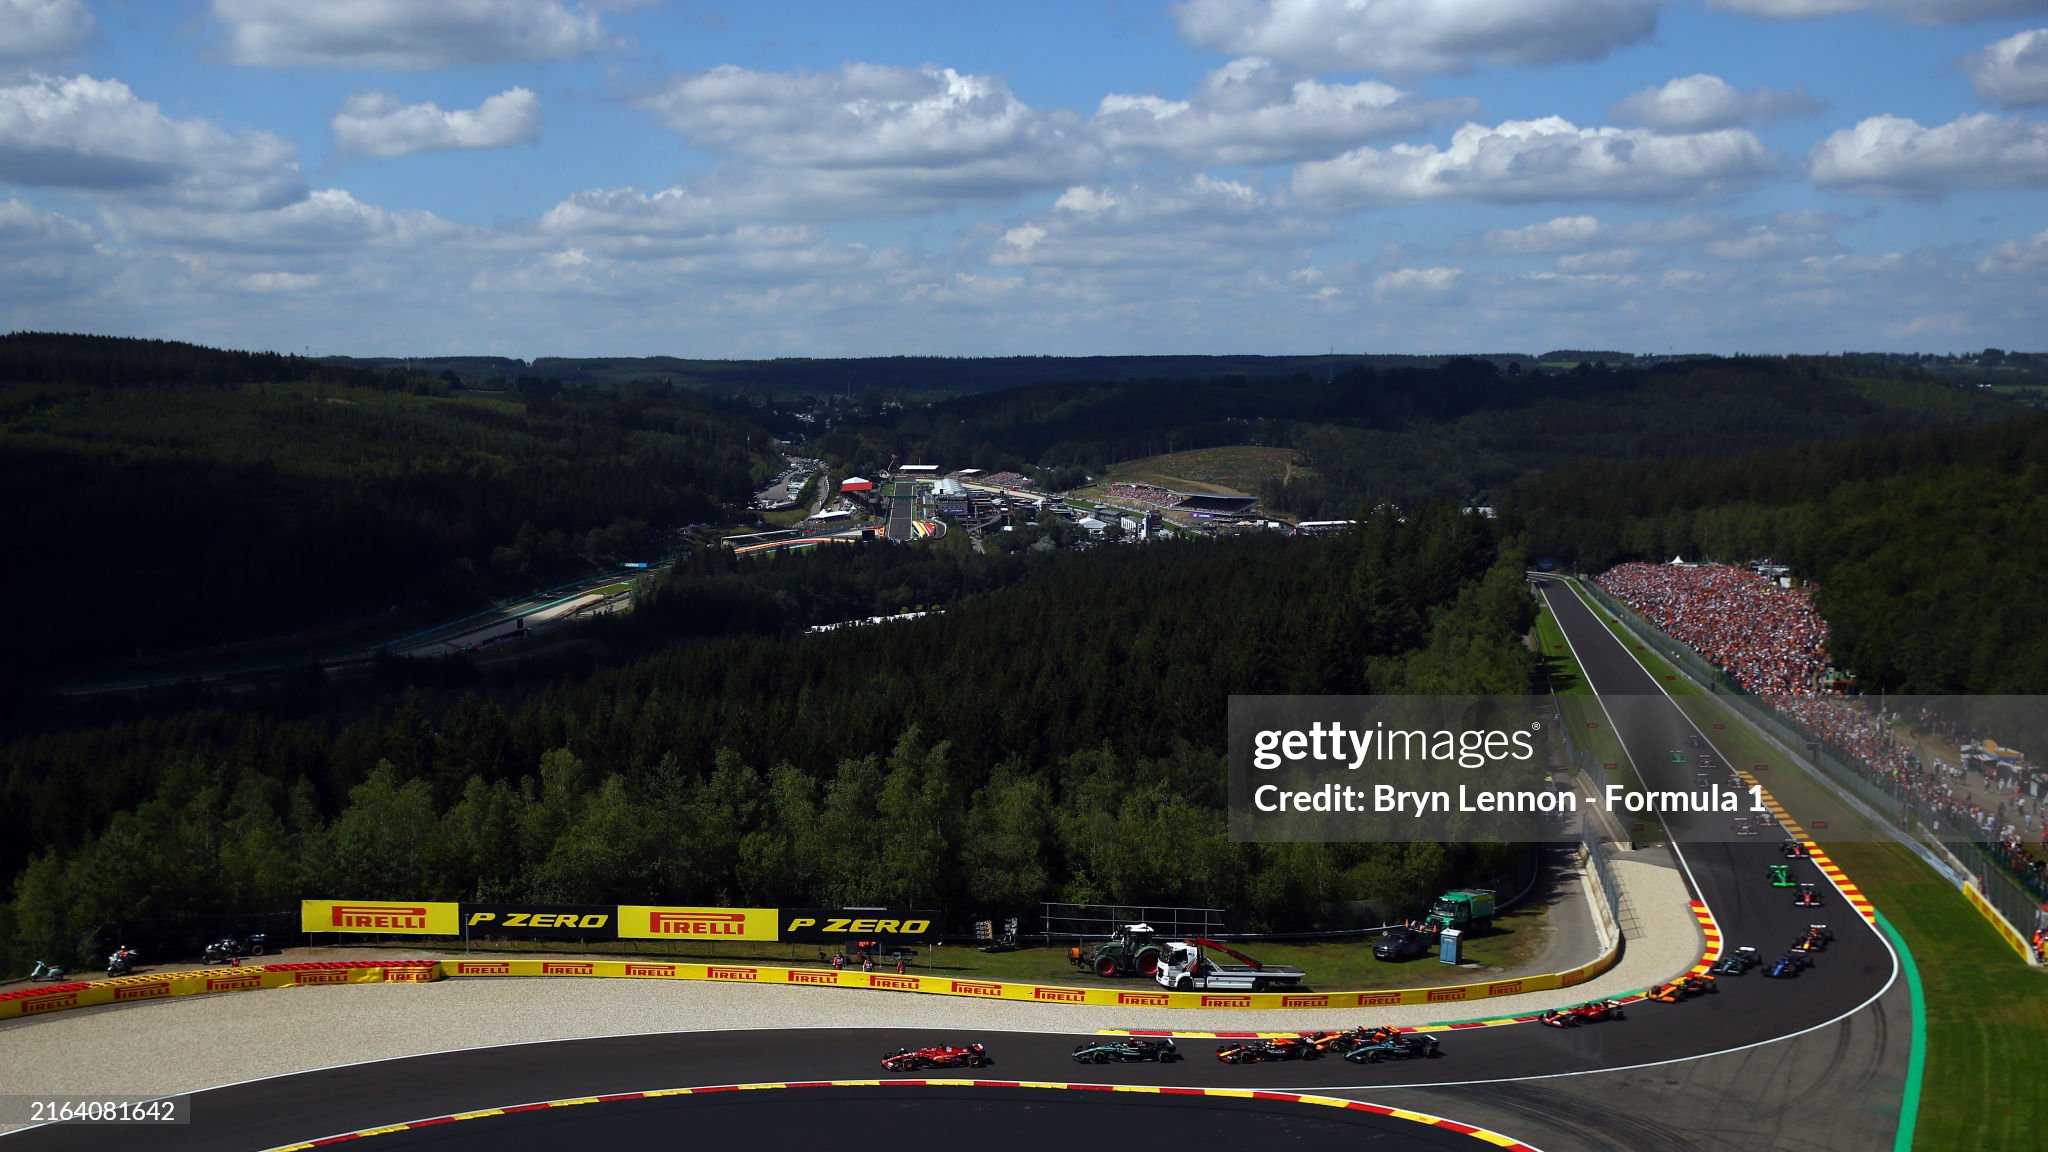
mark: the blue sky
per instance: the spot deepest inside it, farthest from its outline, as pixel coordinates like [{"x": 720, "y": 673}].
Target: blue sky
[{"x": 633, "y": 177}]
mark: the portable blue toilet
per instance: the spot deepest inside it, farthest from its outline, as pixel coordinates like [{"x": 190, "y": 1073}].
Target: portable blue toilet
[{"x": 1447, "y": 948}]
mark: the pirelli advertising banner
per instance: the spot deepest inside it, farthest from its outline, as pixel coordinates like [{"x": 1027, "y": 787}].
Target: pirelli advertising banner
[
  {"x": 662, "y": 922},
  {"x": 542, "y": 921},
  {"x": 616, "y": 922},
  {"x": 832, "y": 925},
  {"x": 381, "y": 917}
]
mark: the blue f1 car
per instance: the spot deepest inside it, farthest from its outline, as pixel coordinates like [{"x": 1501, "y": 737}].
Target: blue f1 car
[{"x": 1787, "y": 966}]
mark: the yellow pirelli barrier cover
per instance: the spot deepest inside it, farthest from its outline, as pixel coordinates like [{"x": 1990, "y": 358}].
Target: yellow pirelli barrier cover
[
  {"x": 661, "y": 922},
  {"x": 1128, "y": 996},
  {"x": 154, "y": 986},
  {"x": 381, "y": 917},
  {"x": 1998, "y": 922}
]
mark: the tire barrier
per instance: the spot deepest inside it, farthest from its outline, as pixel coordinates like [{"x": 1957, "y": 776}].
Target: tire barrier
[
  {"x": 1152, "y": 997},
  {"x": 1481, "y": 1136},
  {"x": 156, "y": 986}
]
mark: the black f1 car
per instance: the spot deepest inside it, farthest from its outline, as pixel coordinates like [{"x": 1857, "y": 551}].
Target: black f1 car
[
  {"x": 1591, "y": 1012},
  {"x": 1125, "y": 1049},
  {"x": 1399, "y": 1046},
  {"x": 936, "y": 1056},
  {"x": 1738, "y": 962}
]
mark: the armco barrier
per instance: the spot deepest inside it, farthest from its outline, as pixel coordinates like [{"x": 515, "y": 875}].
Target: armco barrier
[
  {"x": 60, "y": 996},
  {"x": 154, "y": 986}
]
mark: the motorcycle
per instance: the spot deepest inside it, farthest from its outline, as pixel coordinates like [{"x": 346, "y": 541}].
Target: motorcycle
[
  {"x": 46, "y": 971},
  {"x": 121, "y": 962}
]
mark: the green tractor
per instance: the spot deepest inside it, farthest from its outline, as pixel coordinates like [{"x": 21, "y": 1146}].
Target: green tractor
[{"x": 1133, "y": 951}]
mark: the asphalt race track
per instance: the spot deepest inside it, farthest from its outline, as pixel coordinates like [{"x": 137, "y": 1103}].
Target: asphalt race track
[{"x": 1483, "y": 1064}]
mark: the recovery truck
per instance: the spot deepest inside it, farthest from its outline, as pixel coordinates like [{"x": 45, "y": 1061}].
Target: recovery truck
[
  {"x": 1191, "y": 966},
  {"x": 1466, "y": 909}
]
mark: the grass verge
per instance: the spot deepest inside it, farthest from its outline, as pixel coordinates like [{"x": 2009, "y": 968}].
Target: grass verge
[
  {"x": 1517, "y": 938},
  {"x": 1229, "y": 471}
]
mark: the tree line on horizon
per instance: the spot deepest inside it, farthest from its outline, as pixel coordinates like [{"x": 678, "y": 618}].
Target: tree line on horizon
[
  {"x": 163, "y": 497},
  {"x": 1926, "y": 546}
]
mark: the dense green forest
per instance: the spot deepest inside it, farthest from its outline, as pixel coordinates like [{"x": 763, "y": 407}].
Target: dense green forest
[
  {"x": 162, "y": 496},
  {"x": 1408, "y": 434},
  {"x": 1928, "y": 546},
  {"x": 1061, "y": 736},
  {"x": 875, "y": 376}
]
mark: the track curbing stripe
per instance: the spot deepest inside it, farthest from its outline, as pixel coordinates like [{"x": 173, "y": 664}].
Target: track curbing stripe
[{"x": 1423, "y": 1118}]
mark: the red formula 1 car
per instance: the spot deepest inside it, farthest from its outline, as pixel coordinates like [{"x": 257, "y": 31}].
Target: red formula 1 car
[
  {"x": 1808, "y": 897},
  {"x": 1591, "y": 1012},
  {"x": 937, "y": 1056}
]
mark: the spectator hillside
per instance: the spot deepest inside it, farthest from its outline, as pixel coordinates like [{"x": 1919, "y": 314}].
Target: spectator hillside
[
  {"x": 1770, "y": 639},
  {"x": 1773, "y": 642}
]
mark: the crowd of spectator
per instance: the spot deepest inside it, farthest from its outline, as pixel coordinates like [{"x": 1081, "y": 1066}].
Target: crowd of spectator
[
  {"x": 1770, "y": 639},
  {"x": 1004, "y": 480},
  {"x": 1150, "y": 495},
  {"x": 1773, "y": 642}
]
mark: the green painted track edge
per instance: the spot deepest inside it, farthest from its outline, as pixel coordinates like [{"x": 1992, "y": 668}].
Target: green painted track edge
[{"x": 1916, "y": 1058}]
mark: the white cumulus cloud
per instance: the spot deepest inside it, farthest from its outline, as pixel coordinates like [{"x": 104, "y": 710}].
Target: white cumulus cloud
[
  {"x": 1788, "y": 234},
  {"x": 1417, "y": 37},
  {"x": 1558, "y": 234},
  {"x": 88, "y": 133},
  {"x": 1612, "y": 260},
  {"x": 376, "y": 124},
  {"x": 872, "y": 136},
  {"x": 1415, "y": 284},
  {"x": 1547, "y": 159},
  {"x": 26, "y": 228},
  {"x": 2017, "y": 257},
  {"x": 1913, "y": 11},
  {"x": 329, "y": 220},
  {"x": 1190, "y": 223},
  {"x": 2014, "y": 71},
  {"x": 1703, "y": 103},
  {"x": 1892, "y": 155},
  {"x": 407, "y": 35},
  {"x": 1250, "y": 111},
  {"x": 32, "y": 29}
]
